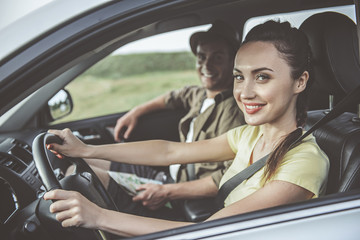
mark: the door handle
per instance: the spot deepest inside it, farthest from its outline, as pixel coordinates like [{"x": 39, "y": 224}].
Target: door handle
[{"x": 88, "y": 137}]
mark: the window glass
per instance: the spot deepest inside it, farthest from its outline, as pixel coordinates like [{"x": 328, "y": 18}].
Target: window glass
[
  {"x": 133, "y": 74},
  {"x": 296, "y": 18}
]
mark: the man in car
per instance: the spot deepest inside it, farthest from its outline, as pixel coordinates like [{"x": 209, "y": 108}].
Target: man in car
[{"x": 211, "y": 111}]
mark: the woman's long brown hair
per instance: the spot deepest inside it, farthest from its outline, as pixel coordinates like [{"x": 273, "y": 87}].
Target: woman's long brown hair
[{"x": 293, "y": 46}]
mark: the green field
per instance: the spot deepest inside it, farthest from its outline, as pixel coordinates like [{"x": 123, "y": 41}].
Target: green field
[
  {"x": 94, "y": 96},
  {"x": 120, "y": 82}
]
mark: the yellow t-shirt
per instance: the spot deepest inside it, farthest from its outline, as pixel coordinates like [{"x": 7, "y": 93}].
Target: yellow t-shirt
[{"x": 306, "y": 165}]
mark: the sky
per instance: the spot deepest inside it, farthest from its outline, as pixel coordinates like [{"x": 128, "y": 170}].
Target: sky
[{"x": 167, "y": 42}]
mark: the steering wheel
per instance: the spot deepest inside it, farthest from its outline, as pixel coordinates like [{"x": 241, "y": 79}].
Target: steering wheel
[{"x": 84, "y": 180}]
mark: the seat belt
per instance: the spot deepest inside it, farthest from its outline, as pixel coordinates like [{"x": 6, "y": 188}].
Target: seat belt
[
  {"x": 232, "y": 183},
  {"x": 190, "y": 170},
  {"x": 236, "y": 180}
]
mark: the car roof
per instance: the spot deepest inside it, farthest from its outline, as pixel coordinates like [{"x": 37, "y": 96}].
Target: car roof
[{"x": 32, "y": 24}]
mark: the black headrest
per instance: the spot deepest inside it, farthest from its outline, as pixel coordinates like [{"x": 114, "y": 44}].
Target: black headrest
[{"x": 334, "y": 44}]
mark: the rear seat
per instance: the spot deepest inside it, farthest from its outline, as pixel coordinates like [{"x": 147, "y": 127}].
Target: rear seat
[{"x": 336, "y": 72}]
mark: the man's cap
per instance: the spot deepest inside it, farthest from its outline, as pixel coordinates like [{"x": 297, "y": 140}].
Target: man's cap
[{"x": 219, "y": 29}]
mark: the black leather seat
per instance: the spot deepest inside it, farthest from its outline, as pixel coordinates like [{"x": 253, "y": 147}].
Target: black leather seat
[
  {"x": 340, "y": 140},
  {"x": 333, "y": 40}
]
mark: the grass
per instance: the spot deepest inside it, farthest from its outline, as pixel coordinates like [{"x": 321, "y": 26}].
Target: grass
[{"x": 96, "y": 96}]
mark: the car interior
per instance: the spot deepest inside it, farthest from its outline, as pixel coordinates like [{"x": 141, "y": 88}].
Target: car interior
[
  {"x": 336, "y": 70},
  {"x": 339, "y": 138}
]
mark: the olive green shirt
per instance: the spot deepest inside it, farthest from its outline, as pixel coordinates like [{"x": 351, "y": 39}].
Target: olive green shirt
[{"x": 214, "y": 121}]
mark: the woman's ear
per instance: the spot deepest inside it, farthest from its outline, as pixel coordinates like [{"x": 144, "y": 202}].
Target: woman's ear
[{"x": 300, "y": 83}]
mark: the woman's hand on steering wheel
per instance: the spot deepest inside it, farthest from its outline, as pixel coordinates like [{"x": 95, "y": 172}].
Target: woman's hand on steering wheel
[
  {"x": 72, "y": 209},
  {"x": 71, "y": 146}
]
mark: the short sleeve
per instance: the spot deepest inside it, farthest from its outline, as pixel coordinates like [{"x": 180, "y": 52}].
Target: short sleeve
[
  {"x": 234, "y": 136},
  {"x": 182, "y": 98},
  {"x": 306, "y": 166}
]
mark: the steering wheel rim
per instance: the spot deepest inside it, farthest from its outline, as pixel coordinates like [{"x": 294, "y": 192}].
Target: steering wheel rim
[{"x": 51, "y": 182}]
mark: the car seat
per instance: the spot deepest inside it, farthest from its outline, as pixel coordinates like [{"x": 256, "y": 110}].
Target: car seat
[
  {"x": 334, "y": 43},
  {"x": 333, "y": 40}
]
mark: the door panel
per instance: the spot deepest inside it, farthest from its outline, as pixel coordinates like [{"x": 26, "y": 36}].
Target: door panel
[{"x": 158, "y": 125}]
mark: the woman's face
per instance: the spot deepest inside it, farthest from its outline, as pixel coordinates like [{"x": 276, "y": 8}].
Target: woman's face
[{"x": 263, "y": 87}]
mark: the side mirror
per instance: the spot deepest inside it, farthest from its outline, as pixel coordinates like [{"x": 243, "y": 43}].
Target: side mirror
[{"x": 60, "y": 105}]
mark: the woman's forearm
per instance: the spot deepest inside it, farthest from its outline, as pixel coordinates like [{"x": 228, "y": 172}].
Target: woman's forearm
[
  {"x": 163, "y": 153},
  {"x": 153, "y": 153}
]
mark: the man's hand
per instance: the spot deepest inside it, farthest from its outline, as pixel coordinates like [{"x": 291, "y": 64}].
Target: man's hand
[
  {"x": 153, "y": 196},
  {"x": 125, "y": 125}
]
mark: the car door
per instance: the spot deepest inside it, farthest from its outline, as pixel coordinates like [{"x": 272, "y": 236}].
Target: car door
[{"x": 158, "y": 125}]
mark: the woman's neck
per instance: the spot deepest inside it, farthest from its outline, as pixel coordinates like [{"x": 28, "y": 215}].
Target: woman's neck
[
  {"x": 272, "y": 135},
  {"x": 269, "y": 139}
]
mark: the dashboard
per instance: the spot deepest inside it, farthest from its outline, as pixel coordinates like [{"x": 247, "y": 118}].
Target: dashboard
[
  {"x": 8, "y": 202},
  {"x": 23, "y": 212},
  {"x": 20, "y": 183}
]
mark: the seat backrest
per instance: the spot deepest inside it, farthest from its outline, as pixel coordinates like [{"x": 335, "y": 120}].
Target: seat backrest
[
  {"x": 340, "y": 140},
  {"x": 333, "y": 40},
  {"x": 334, "y": 44}
]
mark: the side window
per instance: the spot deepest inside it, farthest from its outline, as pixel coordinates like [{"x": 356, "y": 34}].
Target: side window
[
  {"x": 133, "y": 74},
  {"x": 296, "y": 18}
]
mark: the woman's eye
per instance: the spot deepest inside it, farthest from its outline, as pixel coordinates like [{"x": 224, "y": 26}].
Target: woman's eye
[
  {"x": 238, "y": 77},
  {"x": 262, "y": 77}
]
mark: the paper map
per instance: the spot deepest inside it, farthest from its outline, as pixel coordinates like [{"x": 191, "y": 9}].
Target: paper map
[{"x": 130, "y": 182}]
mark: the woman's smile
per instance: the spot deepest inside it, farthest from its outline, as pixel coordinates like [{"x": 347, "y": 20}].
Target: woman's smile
[{"x": 252, "y": 108}]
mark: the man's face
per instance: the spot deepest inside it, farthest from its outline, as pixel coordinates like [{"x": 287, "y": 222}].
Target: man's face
[{"x": 214, "y": 65}]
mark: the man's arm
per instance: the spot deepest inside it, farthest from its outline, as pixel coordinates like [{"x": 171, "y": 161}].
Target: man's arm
[
  {"x": 126, "y": 124},
  {"x": 155, "y": 196},
  {"x": 177, "y": 99}
]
